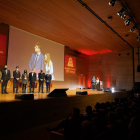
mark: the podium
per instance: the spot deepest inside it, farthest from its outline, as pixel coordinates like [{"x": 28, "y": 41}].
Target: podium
[{"x": 99, "y": 86}]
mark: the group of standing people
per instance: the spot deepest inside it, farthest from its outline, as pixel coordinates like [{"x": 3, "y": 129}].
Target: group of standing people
[
  {"x": 31, "y": 78},
  {"x": 94, "y": 82}
]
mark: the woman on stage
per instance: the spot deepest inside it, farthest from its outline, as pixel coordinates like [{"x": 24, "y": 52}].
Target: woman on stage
[
  {"x": 48, "y": 65},
  {"x": 24, "y": 81}
]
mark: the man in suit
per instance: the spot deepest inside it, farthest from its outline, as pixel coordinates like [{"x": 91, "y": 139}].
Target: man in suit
[
  {"x": 48, "y": 78},
  {"x": 32, "y": 79},
  {"x": 93, "y": 81},
  {"x": 37, "y": 59},
  {"x": 16, "y": 75},
  {"x": 6, "y": 76},
  {"x": 41, "y": 77}
]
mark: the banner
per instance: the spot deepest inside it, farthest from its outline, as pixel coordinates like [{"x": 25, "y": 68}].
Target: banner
[
  {"x": 70, "y": 64},
  {"x": 3, "y": 42}
]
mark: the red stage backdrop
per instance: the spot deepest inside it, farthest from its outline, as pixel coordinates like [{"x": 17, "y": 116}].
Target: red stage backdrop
[
  {"x": 3, "y": 41},
  {"x": 70, "y": 64}
]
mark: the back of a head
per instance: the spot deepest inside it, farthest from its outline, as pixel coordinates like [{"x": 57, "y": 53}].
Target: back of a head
[
  {"x": 96, "y": 121},
  {"x": 134, "y": 123},
  {"x": 97, "y": 106},
  {"x": 117, "y": 100},
  {"x": 103, "y": 106},
  {"x": 89, "y": 110},
  {"x": 108, "y": 104},
  {"x": 119, "y": 113},
  {"x": 87, "y": 127},
  {"x": 111, "y": 117}
]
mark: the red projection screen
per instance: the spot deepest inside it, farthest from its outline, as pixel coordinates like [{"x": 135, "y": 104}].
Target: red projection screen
[{"x": 29, "y": 51}]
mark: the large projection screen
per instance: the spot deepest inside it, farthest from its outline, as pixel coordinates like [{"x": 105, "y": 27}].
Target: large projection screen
[{"x": 29, "y": 51}]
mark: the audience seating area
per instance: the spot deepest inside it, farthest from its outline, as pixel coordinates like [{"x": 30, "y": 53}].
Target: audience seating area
[{"x": 115, "y": 120}]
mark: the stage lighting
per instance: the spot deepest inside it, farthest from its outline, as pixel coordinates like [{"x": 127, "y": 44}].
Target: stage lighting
[
  {"x": 123, "y": 15},
  {"x": 128, "y": 21},
  {"x": 138, "y": 38},
  {"x": 133, "y": 28},
  {"x": 121, "y": 12},
  {"x": 113, "y": 90},
  {"x": 110, "y": 18},
  {"x": 112, "y": 2}
]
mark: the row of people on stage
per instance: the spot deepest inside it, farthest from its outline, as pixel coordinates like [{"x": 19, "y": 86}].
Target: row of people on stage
[
  {"x": 94, "y": 82},
  {"x": 31, "y": 78}
]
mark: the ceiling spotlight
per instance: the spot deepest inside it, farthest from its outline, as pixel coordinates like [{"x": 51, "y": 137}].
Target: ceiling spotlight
[
  {"x": 84, "y": 5},
  {"x": 133, "y": 28},
  {"x": 112, "y": 2},
  {"x": 123, "y": 15},
  {"x": 126, "y": 35},
  {"x": 128, "y": 21},
  {"x": 110, "y": 18},
  {"x": 138, "y": 38},
  {"x": 121, "y": 12}
]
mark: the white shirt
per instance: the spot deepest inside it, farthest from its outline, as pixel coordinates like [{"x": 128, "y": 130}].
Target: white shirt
[{"x": 50, "y": 67}]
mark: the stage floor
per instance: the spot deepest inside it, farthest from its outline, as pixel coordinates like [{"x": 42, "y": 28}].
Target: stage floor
[{"x": 71, "y": 92}]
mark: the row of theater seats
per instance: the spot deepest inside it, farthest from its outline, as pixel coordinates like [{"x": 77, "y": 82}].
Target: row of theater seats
[{"x": 109, "y": 121}]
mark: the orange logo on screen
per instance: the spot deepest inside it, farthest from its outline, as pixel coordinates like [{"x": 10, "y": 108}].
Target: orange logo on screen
[{"x": 70, "y": 62}]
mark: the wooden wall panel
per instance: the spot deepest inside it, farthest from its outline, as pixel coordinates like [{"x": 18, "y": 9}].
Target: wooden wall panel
[{"x": 115, "y": 70}]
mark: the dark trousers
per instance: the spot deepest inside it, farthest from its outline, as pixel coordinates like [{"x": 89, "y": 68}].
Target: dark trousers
[
  {"x": 14, "y": 83},
  {"x": 4, "y": 84},
  {"x": 93, "y": 86},
  {"x": 41, "y": 85},
  {"x": 32, "y": 83},
  {"x": 48, "y": 86},
  {"x": 24, "y": 88}
]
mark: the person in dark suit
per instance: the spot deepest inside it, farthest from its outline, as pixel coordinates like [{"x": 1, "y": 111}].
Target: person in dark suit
[
  {"x": 16, "y": 76},
  {"x": 93, "y": 81},
  {"x": 6, "y": 76},
  {"x": 48, "y": 79},
  {"x": 41, "y": 77},
  {"x": 37, "y": 59},
  {"x": 25, "y": 78},
  {"x": 32, "y": 79}
]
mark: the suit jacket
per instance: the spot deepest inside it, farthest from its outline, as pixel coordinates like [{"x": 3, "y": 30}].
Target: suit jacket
[
  {"x": 32, "y": 78},
  {"x": 48, "y": 77},
  {"x": 15, "y": 75},
  {"x": 93, "y": 80},
  {"x": 39, "y": 64},
  {"x": 23, "y": 80},
  {"x": 41, "y": 76},
  {"x": 5, "y": 77}
]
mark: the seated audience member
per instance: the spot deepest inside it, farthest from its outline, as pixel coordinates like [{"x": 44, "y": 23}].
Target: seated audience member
[
  {"x": 71, "y": 117},
  {"x": 117, "y": 100},
  {"x": 98, "y": 127},
  {"x": 103, "y": 106},
  {"x": 97, "y": 107},
  {"x": 89, "y": 114},
  {"x": 134, "y": 127},
  {"x": 119, "y": 114},
  {"x": 88, "y": 130},
  {"x": 111, "y": 119}
]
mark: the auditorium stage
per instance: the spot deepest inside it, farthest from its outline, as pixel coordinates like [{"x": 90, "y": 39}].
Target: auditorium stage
[{"x": 71, "y": 92}]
